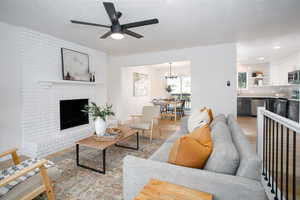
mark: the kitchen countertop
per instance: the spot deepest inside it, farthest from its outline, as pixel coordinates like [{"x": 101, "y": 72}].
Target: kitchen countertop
[
  {"x": 255, "y": 96},
  {"x": 264, "y": 97}
]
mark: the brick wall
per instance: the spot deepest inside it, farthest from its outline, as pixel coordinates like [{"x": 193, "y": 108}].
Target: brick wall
[{"x": 40, "y": 121}]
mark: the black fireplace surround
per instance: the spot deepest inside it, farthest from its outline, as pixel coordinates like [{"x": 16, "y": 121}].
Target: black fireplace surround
[{"x": 71, "y": 114}]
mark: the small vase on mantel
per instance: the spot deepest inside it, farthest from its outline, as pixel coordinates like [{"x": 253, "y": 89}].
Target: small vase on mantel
[{"x": 100, "y": 126}]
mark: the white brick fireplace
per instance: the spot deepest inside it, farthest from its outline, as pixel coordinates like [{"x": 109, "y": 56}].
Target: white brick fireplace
[
  {"x": 41, "y": 117},
  {"x": 43, "y": 88}
]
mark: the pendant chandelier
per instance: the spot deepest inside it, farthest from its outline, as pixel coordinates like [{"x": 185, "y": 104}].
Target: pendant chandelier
[{"x": 170, "y": 75}]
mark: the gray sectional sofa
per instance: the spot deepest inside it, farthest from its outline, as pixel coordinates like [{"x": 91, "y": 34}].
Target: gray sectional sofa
[{"x": 231, "y": 173}]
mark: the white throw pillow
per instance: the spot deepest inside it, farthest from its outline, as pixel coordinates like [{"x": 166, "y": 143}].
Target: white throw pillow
[{"x": 197, "y": 119}]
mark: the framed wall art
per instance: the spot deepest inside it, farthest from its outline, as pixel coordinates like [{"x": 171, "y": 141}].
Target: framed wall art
[{"x": 75, "y": 65}]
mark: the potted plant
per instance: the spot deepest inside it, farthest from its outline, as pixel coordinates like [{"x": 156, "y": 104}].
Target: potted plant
[
  {"x": 169, "y": 90},
  {"x": 99, "y": 115}
]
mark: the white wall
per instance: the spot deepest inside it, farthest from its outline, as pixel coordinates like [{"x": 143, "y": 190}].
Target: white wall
[
  {"x": 211, "y": 67},
  {"x": 10, "y": 87},
  {"x": 38, "y": 58},
  {"x": 135, "y": 104}
]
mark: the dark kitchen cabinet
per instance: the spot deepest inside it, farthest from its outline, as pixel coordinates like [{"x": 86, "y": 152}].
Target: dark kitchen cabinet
[
  {"x": 244, "y": 106},
  {"x": 281, "y": 107},
  {"x": 293, "y": 110}
]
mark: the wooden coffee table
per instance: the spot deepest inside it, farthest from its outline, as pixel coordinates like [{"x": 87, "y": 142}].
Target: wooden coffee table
[
  {"x": 103, "y": 145},
  {"x": 160, "y": 190}
]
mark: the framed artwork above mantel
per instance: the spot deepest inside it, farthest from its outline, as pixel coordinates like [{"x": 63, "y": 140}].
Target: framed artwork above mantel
[{"x": 75, "y": 66}]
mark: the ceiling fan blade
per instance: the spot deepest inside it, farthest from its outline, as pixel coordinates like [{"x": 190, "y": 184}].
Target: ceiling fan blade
[
  {"x": 111, "y": 11},
  {"x": 133, "y": 34},
  {"x": 106, "y": 35},
  {"x": 87, "y": 23},
  {"x": 140, "y": 23}
]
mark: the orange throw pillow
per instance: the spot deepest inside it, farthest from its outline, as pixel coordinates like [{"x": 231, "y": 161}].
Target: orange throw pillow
[
  {"x": 210, "y": 114},
  {"x": 192, "y": 150}
]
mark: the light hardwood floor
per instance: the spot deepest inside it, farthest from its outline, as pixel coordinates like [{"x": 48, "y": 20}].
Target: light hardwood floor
[{"x": 248, "y": 124}]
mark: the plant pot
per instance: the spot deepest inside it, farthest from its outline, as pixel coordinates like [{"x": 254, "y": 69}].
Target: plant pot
[{"x": 100, "y": 126}]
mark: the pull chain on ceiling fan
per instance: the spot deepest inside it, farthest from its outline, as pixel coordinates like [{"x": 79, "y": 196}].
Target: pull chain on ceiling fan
[{"x": 118, "y": 30}]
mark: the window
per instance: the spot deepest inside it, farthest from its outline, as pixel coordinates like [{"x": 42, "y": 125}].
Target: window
[
  {"x": 186, "y": 85},
  {"x": 180, "y": 85},
  {"x": 242, "y": 80},
  {"x": 175, "y": 85}
]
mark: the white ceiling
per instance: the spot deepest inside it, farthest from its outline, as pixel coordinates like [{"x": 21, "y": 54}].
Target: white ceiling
[
  {"x": 182, "y": 23},
  {"x": 250, "y": 52}
]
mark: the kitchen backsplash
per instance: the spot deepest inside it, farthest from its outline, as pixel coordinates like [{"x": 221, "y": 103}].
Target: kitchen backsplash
[{"x": 284, "y": 91}]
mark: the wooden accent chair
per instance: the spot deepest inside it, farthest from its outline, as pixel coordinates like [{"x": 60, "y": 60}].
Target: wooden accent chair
[
  {"x": 147, "y": 120},
  {"x": 33, "y": 186}
]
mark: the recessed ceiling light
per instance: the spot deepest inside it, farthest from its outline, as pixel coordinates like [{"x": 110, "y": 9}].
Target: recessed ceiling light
[
  {"x": 276, "y": 47},
  {"x": 261, "y": 58}
]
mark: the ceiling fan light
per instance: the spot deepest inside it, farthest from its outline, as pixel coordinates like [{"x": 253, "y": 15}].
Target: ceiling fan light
[{"x": 117, "y": 36}]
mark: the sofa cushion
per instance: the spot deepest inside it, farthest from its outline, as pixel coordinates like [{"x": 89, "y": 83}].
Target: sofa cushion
[
  {"x": 193, "y": 149},
  {"x": 210, "y": 114},
  {"x": 224, "y": 157},
  {"x": 250, "y": 164},
  {"x": 162, "y": 154},
  {"x": 197, "y": 119},
  {"x": 217, "y": 119}
]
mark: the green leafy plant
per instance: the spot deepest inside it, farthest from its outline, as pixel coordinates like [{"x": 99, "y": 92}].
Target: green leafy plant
[
  {"x": 169, "y": 88},
  {"x": 96, "y": 111}
]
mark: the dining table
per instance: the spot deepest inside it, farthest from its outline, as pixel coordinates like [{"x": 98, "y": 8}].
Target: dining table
[{"x": 170, "y": 103}]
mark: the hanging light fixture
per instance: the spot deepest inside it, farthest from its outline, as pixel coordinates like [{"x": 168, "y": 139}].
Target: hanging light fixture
[{"x": 170, "y": 75}]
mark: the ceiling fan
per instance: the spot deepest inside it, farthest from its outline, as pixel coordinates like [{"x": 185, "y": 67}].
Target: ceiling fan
[{"x": 118, "y": 30}]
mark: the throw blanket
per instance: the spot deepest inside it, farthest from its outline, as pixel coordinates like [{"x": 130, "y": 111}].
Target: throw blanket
[{"x": 14, "y": 169}]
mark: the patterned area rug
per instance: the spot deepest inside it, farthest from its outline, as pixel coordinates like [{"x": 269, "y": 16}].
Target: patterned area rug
[{"x": 79, "y": 183}]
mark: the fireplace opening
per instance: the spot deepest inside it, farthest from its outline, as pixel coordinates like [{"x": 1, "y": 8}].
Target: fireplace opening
[{"x": 71, "y": 114}]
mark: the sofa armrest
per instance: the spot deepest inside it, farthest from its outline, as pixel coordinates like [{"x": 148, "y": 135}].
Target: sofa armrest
[
  {"x": 13, "y": 153},
  {"x": 23, "y": 172},
  {"x": 137, "y": 172}
]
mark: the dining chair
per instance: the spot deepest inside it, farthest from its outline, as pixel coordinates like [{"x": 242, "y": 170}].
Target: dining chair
[{"x": 147, "y": 120}]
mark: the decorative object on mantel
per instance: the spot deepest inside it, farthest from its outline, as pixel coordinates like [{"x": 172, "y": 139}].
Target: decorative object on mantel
[
  {"x": 92, "y": 77},
  {"x": 99, "y": 115},
  {"x": 75, "y": 65}
]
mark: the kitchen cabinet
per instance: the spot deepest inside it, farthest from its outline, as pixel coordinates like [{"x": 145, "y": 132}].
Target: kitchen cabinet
[
  {"x": 279, "y": 70},
  {"x": 247, "y": 106},
  {"x": 244, "y": 106},
  {"x": 293, "y": 110}
]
